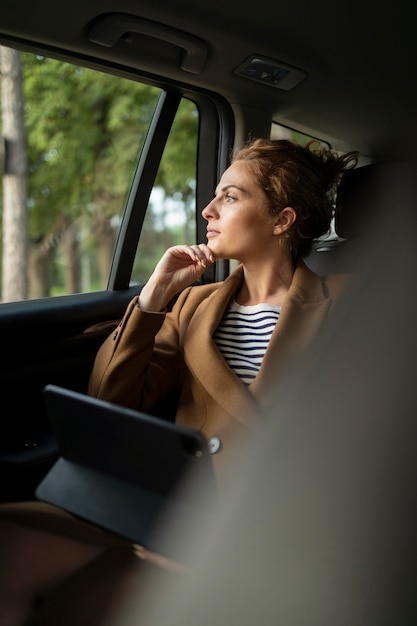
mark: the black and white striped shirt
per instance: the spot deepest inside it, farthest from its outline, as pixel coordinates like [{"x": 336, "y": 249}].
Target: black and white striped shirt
[{"x": 243, "y": 336}]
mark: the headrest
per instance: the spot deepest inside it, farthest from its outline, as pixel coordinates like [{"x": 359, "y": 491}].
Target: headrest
[
  {"x": 357, "y": 199},
  {"x": 367, "y": 193},
  {"x": 370, "y": 201}
]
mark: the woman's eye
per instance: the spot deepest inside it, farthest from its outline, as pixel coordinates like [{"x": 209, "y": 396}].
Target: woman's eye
[{"x": 230, "y": 198}]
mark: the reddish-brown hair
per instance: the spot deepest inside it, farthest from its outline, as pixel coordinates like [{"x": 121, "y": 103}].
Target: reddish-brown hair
[{"x": 301, "y": 177}]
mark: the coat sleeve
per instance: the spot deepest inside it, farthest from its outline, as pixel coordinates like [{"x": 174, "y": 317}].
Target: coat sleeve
[{"x": 140, "y": 362}]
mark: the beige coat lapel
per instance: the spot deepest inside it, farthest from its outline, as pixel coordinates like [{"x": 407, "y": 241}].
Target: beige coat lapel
[
  {"x": 205, "y": 361},
  {"x": 305, "y": 308}
]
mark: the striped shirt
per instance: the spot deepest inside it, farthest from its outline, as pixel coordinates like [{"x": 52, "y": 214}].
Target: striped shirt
[{"x": 243, "y": 336}]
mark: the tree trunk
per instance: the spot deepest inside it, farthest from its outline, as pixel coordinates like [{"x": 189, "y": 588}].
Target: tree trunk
[
  {"x": 15, "y": 242},
  {"x": 39, "y": 271},
  {"x": 104, "y": 237},
  {"x": 71, "y": 251}
]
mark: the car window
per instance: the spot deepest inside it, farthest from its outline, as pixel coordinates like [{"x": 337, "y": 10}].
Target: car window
[
  {"x": 171, "y": 215},
  {"x": 279, "y": 131},
  {"x": 81, "y": 135}
]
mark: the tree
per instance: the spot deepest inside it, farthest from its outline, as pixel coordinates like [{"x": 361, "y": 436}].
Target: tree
[
  {"x": 15, "y": 248},
  {"x": 85, "y": 130}
]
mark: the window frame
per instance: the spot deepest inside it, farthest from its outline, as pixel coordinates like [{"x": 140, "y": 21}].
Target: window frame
[
  {"x": 215, "y": 136},
  {"x": 216, "y": 132}
]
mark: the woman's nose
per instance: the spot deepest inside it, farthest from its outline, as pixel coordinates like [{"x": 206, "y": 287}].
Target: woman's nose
[{"x": 208, "y": 211}]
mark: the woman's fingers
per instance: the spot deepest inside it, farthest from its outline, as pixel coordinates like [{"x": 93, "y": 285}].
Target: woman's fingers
[
  {"x": 203, "y": 254},
  {"x": 179, "y": 267},
  {"x": 197, "y": 254}
]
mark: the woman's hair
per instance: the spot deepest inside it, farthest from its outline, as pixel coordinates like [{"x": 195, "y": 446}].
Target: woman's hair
[{"x": 302, "y": 177}]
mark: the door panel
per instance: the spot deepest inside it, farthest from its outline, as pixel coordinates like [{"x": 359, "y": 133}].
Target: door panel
[{"x": 47, "y": 341}]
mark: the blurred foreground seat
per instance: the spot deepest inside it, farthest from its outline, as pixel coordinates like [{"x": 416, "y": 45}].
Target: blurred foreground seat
[{"x": 319, "y": 528}]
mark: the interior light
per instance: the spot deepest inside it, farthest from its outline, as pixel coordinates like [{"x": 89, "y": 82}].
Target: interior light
[{"x": 270, "y": 72}]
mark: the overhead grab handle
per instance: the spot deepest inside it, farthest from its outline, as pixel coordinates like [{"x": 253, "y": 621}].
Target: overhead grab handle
[{"x": 110, "y": 28}]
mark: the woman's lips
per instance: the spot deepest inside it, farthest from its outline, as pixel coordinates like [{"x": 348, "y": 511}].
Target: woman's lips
[{"x": 212, "y": 233}]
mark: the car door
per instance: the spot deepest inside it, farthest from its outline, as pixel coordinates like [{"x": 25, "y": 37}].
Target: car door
[{"x": 54, "y": 338}]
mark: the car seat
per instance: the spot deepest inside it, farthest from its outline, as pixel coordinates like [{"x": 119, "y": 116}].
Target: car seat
[{"x": 355, "y": 207}]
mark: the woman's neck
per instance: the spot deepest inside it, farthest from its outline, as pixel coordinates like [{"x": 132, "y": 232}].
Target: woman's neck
[{"x": 269, "y": 285}]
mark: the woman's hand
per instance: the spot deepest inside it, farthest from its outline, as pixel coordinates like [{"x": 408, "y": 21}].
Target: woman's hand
[{"x": 179, "y": 267}]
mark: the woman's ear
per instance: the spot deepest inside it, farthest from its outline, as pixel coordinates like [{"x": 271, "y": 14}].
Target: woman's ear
[{"x": 284, "y": 220}]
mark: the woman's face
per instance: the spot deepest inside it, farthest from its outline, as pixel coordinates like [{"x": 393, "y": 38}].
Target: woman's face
[{"x": 239, "y": 224}]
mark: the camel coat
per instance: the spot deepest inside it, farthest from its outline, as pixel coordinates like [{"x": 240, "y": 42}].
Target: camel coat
[{"x": 150, "y": 356}]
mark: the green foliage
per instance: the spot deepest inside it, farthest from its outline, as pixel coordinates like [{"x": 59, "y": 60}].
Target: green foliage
[
  {"x": 176, "y": 182},
  {"x": 85, "y": 131},
  {"x": 177, "y": 172}
]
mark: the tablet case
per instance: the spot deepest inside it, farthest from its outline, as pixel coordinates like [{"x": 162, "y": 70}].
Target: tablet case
[{"x": 121, "y": 469}]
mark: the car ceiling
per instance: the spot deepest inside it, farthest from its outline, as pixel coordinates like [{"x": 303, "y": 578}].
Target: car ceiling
[{"x": 360, "y": 58}]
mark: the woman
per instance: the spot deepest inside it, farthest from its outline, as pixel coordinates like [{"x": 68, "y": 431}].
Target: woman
[{"x": 219, "y": 353}]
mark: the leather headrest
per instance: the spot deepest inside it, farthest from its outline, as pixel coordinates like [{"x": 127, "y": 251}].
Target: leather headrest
[
  {"x": 367, "y": 193},
  {"x": 357, "y": 199}
]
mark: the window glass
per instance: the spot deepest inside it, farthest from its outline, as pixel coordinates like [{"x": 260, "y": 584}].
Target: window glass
[
  {"x": 171, "y": 215},
  {"x": 278, "y": 131},
  {"x": 73, "y": 137}
]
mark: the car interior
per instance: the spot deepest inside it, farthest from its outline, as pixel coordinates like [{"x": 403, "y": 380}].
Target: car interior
[{"x": 131, "y": 111}]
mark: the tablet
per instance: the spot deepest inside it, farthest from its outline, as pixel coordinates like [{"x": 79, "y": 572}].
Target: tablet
[{"x": 123, "y": 470}]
